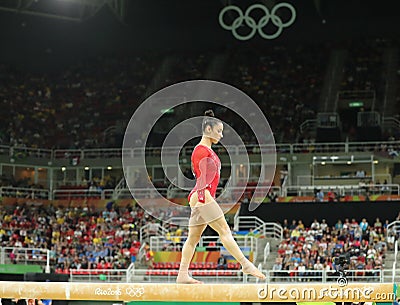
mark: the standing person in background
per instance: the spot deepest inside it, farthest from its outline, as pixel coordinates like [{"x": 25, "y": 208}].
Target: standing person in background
[
  {"x": 284, "y": 173},
  {"x": 205, "y": 210}
]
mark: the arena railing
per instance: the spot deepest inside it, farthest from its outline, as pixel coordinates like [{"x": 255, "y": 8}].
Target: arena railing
[
  {"x": 343, "y": 190},
  {"x": 267, "y": 251},
  {"x": 82, "y": 193},
  {"x": 394, "y": 225},
  {"x": 175, "y": 243},
  {"x": 98, "y": 275},
  {"x": 5, "y": 150},
  {"x": 229, "y": 194},
  {"x": 98, "y": 153},
  {"x": 130, "y": 273},
  {"x": 27, "y": 152},
  {"x": 145, "y": 193},
  {"x": 26, "y": 256},
  {"x": 298, "y": 190},
  {"x": 272, "y": 230},
  {"x": 178, "y": 221},
  {"x": 324, "y": 276},
  {"x": 21, "y": 192},
  {"x": 76, "y": 193},
  {"x": 396, "y": 250},
  {"x": 151, "y": 229},
  {"x": 247, "y": 223},
  {"x": 267, "y": 229}
]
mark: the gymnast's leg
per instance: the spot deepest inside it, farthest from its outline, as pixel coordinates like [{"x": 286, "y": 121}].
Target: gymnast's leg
[
  {"x": 212, "y": 214},
  {"x": 194, "y": 235}
]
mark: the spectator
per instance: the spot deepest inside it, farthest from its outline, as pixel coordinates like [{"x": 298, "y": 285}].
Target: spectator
[
  {"x": 377, "y": 223},
  {"x": 277, "y": 267},
  {"x": 331, "y": 196},
  {"x": 222, "y": 262},
  {"x": 319, "y": 196}
]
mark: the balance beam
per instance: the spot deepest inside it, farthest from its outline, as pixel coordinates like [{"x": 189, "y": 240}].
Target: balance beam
[{"x": 293, "y": 292}]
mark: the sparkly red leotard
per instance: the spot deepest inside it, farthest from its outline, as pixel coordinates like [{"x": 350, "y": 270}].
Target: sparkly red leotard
[{"x": 206, "y": 168}]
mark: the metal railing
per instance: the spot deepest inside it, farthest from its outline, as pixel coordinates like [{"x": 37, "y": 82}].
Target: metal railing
[
  {"x": 106, "y": 193},
  {"x": 390, "y": 275},
  {"x": 25, "y": 256},
  {"x": 144, "y": 193},
  {"x": 21, "y": 192},
  {"x": 82, "y": 193},
  {"x": 267, "y": 251},
  {"x": 179, "y": 221},
  {"x": 394, "y": 225},
  {"x": 344, "y": 190},
  {"x": 98, "y": 275},
  {"x": 245, "y": 223},
  {"x": 106, "y": 153},
  {"x": 26, "y": 152},
  {"x": 323, "y": 276},
  {"x": 209, "y": 276},
  {"x": 396, "y": 245},
  {"x": 273, "y": 230},
  {"x": 267, "y": 229},
  {"x": 130, "y": 273},
  {"x": 163, "y": 243},
  {"x": 152, "y": 229}
]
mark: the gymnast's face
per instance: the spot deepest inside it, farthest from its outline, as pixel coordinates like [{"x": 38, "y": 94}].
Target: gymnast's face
[{"x": 215, "y": 132}]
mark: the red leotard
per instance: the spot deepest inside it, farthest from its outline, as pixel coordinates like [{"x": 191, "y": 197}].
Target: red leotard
[{"x": 206, "y": 168}]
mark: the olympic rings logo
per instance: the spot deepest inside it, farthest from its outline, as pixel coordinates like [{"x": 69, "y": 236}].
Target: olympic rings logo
[
  {"x": 135, "y": 292},
  {"x": 253, "y": 25}
]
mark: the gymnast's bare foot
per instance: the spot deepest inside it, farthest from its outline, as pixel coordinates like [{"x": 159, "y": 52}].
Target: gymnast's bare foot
[
  {"x": 186, "y": 279},
  {"x": 249, "y": 268}
]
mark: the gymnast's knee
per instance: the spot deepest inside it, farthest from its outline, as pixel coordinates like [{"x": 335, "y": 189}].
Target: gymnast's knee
[
  {"x": 193, "y": 239},
  {"x": 225, "y": 235}
]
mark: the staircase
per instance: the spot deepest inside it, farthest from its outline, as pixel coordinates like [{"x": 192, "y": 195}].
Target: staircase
[
  {"x": 274, "y": 243},
  {"x": 391, "y": 62},
  {"x": 333, "y": 77},
  {"x": 120, "y": 188},
  {"x": 271, "y": 232},
  {"x": 389, "y": 259}
]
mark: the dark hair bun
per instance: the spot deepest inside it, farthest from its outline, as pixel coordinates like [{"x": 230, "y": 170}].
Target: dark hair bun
[{"x": 209, "y": 113}]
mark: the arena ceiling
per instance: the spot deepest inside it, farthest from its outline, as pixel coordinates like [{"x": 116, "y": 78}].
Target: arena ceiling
[{"x": 70, "y": 10}]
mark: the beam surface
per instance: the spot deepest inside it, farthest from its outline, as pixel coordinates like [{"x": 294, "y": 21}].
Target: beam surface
[{"x": 296, "y": 292}]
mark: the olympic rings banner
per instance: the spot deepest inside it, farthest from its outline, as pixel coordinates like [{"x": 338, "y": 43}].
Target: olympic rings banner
[{"x": 245, "y": 19}]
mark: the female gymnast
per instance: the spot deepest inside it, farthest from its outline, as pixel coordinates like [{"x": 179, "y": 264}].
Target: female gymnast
[{"x": 206, "y": 168}]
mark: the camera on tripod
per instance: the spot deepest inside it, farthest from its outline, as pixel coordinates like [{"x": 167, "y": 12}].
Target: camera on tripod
[
  {"x": 340, "y": 263},
  {"x": 341, "y": 260}
]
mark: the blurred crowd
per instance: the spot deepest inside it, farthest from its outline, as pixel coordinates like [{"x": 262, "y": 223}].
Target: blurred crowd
[
  {"x": 82, "y": 238},
  {"x": 78, "y": 238},
  {"x": 76, "y": 108},
  {"x": 314, "y": 247}
]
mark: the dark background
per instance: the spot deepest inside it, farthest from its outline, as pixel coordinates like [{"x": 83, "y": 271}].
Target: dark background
[
  {"x": 159, "y": 25},
  {"x": 307, "y": 212}
]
